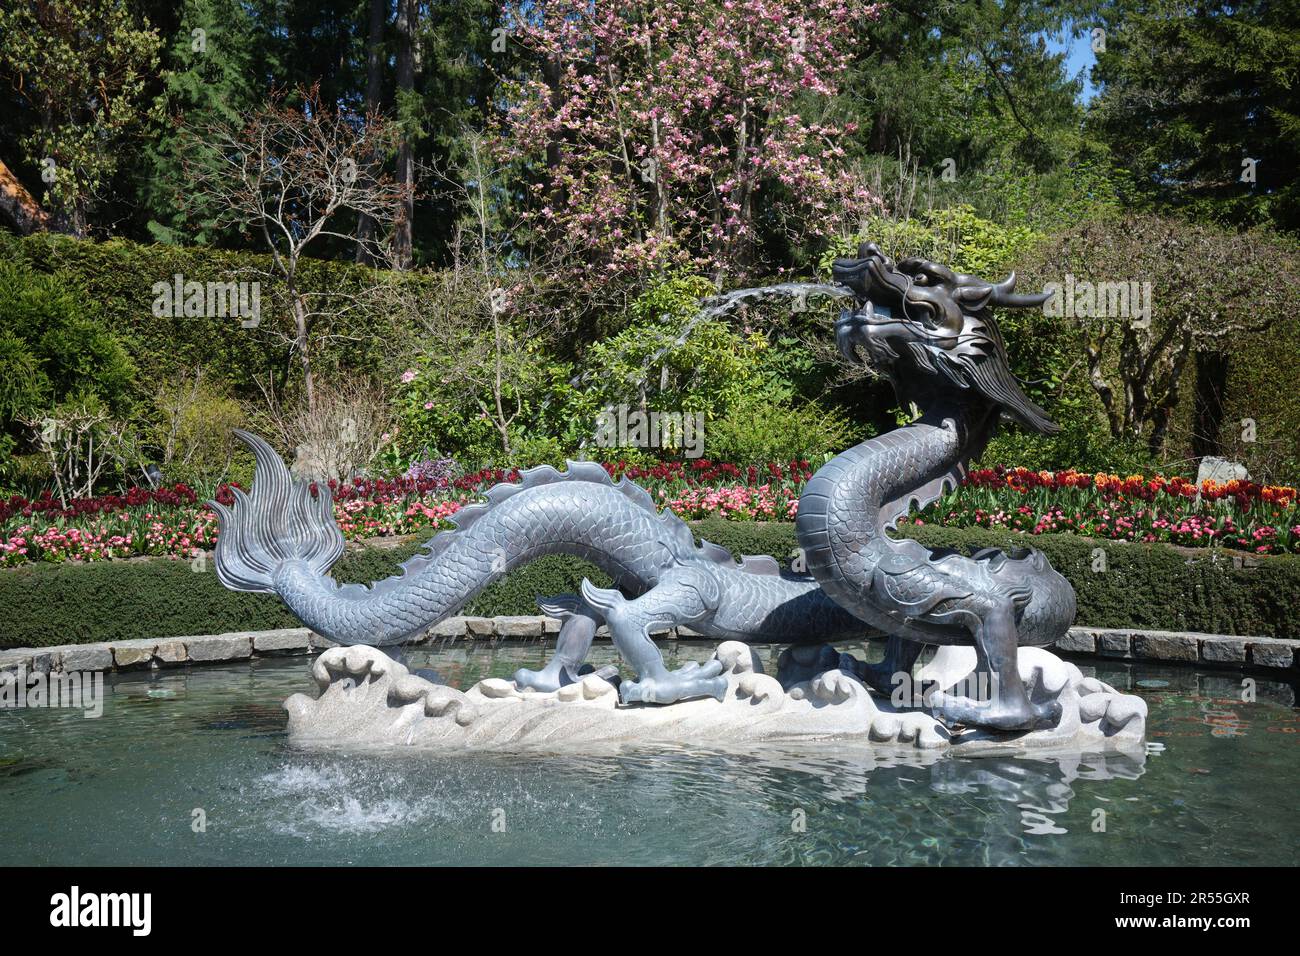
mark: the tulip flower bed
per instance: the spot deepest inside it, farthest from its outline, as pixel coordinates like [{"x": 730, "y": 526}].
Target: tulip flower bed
[
  {"x": 1263, "y": 519},
  {"x": 174, "y": 522},
  {"x": 166, "y": 521},
  {"x": 702, "y": 488}
]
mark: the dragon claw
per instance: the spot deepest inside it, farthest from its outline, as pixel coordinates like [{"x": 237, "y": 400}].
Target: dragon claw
[
  {"x": 692, "y": 680},
  {"x": 995, "y": 716},
  {"x": 544, "y": 680},
  {"x": 552, "y": 677}
]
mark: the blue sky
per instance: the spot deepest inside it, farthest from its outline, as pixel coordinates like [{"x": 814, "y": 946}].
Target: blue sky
[{"x": 1080, "y": 58}]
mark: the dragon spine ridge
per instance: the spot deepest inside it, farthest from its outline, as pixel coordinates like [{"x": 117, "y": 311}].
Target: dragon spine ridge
[{"x": 278, "y": 538}]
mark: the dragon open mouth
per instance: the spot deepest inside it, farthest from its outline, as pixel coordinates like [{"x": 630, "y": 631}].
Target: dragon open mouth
[
  {"x": 851, "y": 329},
  {"x": 846, "y": 330}
]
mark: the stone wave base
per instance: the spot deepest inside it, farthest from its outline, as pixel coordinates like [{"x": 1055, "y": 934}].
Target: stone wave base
[{"x": 368, "y": 699}]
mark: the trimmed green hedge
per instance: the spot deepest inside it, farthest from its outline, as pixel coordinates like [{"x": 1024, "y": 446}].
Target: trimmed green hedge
[
  {"x": 1143, "y": 586},
  {"x": 1146, "y": 586},
  {"x": 48, "y": 604},
  {"x": 118, "y": 277}
]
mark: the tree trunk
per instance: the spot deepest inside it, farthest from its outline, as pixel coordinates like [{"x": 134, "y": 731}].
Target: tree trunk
[
  {"x": 303, "y": 344},
  {"x": 19, "y": 206},
  {"x": 407, "y": 12},
  {"x": 1211, "y": 387},
  {"x": 374, "y": 90}
]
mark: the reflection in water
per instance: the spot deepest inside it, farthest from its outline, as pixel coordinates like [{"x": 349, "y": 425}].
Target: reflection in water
[
  {"x": 1224, "y": 720},
  {"x": 123, "y": 788},
  {"x": 1038, "y": 786}
]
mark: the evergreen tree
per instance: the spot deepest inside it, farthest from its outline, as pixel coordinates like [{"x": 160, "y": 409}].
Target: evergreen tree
[
  {"x": 1201, "y": 103},
  {"x": 80, "y": 68},
  {"x": 966, "y": 81},
  {"x": 219, "y": 63}
]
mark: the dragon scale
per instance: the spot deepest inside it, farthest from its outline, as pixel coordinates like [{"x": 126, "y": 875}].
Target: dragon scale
[
  {"x": 281, "y": 539},
  {"x": 896, "y": 584}
]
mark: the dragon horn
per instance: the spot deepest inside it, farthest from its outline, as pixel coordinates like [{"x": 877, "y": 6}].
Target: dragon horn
[{"x": 1005, "y": 296}]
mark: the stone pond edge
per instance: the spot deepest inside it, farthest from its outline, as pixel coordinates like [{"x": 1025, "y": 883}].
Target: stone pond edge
[{"x": 1218, "y": 650}]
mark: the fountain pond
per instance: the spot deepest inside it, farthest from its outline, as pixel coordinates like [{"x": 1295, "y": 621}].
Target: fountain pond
[{"x": 194, "y": 767}]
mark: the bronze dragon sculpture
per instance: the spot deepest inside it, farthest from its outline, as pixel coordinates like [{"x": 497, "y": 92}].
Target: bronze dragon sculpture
[
  {"x": 931, "y": 331},
  {"x": 928, "y": 329}
]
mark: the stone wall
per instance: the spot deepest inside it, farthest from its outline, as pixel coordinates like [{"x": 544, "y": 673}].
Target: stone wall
[{"x": 1281, "y": 657}]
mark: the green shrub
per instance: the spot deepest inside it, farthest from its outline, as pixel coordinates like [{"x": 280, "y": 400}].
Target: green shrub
[
  {"x": 757, "y": 430},
  {"x": 658, "y": 363},
  {"x": 53, "y": 345},
  {"x": 1083, "y": 445},
  {"x": 953, "y": 235},
  {"x": 23, "y": 385},
  {"x": 195, "y": 418},
  {"x": 444, "y": 409},
  {"x": 1144, "y": 586},
  {"x": 530, "y": 451},
  {"x": 118, "y": 278}
]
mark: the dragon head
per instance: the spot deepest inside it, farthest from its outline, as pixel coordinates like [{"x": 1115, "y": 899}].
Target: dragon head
[{"x": 931, "y": 330}]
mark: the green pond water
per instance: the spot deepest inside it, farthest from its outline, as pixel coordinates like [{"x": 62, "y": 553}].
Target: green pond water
[{"x": 193, "y": 767}]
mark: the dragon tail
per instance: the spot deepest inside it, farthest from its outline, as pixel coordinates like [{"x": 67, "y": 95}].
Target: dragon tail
[{"x": 278, "y": 520}]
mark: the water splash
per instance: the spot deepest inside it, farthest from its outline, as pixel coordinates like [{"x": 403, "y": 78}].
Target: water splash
[
  {"x": 344, "y": 798},
  {"x": 717, "y": 306},
  {"x": 720, "y": 305},
  {"x": 800, "y": 291}
]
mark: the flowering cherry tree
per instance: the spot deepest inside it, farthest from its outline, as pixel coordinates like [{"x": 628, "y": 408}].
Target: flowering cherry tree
[{"x": 657, "y": 133}]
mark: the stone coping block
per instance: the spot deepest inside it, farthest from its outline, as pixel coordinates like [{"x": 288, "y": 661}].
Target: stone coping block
[
  {"x": 171, "y": 652},
  {"x": 1272, "y": 652},
  {"x": 518, "y": 626},
  {"x": 128, "y": 654},
  {"x": 68, "y": 658},
  {"x": 1166, "y": 647},
  {"x": 1132, "y": 644},
  {"x": 1115, "y": 644},
  {"x": 449, "y": 627},
  {"x": 220, "y": 647},
  {"x": 1078, "y": 641},
  {"x": 1121, "y": 643},
  {"x": 480, "y": 626},
  {"x": 292, "y": 639},
  {"x": 1224, "y": 650}
]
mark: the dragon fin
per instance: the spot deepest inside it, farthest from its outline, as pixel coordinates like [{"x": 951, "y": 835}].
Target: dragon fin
[
  {"x": 602, "y": 599},
  {"x": 560, "y": 606}
]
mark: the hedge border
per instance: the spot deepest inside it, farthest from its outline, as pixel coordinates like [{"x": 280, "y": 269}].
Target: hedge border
[{"x": 1145, "y": 587}]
